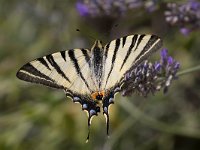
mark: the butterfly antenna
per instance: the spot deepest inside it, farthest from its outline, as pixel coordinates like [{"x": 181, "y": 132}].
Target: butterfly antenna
[{"x": 86, "y": 34}]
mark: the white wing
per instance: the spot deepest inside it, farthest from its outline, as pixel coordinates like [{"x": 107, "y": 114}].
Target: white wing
[
  {"x": 68, "y": 70},
  {"x": 122, "y": 54}
]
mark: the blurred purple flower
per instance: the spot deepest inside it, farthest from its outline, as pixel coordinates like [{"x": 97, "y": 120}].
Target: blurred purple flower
[
  {"x": 112, "y": 7},
  {"x": 151, "y": 77},
  {"x": 170, "y": 60},
  {"x": 186, "y": 16},
  {"x": 185, "y": 31},
  {"x": 82, "y": 9},
  {"x": 157, "y": 66},
  {"x": 163, "y": 54}
]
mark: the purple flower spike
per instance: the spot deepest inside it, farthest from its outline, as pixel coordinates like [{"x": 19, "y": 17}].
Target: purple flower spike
[
  {"x": 114, "y": 8},
  {"x": 177, "y": 65},
  {"x": 194, "y": 5},
  {"x": 148, "y": 78},
  {"x": 185, "y": 31},
  {"x": 157, "y": 66},
  {"x": 163, "y": 53},
  {"x": 170, "y": 60},
  {"x": 82, "y": 9}
]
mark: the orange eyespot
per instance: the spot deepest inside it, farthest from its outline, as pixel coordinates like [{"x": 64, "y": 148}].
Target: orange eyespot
[{"x": 98, "y": 95}]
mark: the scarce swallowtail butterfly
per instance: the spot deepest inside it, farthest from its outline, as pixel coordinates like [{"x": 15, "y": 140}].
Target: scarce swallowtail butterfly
[{"x": 91, "y": 76}]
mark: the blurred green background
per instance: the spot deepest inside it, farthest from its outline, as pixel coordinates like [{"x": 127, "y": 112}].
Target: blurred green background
[{"x": 36, "y": 117}]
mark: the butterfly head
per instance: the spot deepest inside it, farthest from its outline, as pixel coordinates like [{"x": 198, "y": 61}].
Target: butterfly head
[{"x": 97, "y": 44}]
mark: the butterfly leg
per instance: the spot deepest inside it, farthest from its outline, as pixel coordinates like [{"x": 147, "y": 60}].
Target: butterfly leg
[{"x": 108, "y": 100}]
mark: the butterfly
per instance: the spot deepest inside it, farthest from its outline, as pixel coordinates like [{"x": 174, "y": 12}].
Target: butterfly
[{"x": 93, "y": 76}]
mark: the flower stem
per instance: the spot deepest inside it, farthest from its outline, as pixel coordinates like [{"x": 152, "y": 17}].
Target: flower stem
[
  {"x": 186, "y": 71},
  {"x": 128, "y": 123},
  {"x": 125, "y": 125},
  {"x": 156, "y": 124}
]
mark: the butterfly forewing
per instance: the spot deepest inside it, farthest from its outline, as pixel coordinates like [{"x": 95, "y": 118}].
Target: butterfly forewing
[
  {"x": 67, "y": 70},
  {"x": 122, "y": 54}
]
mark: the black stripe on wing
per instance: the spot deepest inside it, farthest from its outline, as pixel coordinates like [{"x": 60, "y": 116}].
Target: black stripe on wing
[
  {"x": 29, "y": 73},
  {"x": 56, "y": 66},
  {"x": 129, "y": 50},
  {"x": 139, "y": 40},
  {"x": 124, "y": 41},
  {"x": 147, "y": 50},
  {"x": 63, "y": 55},
  {"x": 42, "y": 61},
  {"x": 86, "y": 55},
  {"x": 113, "y": 58},
  {"x": 77, "y": 67}
]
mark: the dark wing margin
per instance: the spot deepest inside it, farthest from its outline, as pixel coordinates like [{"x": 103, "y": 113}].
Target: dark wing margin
[{"x": 29, "y": 73}]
